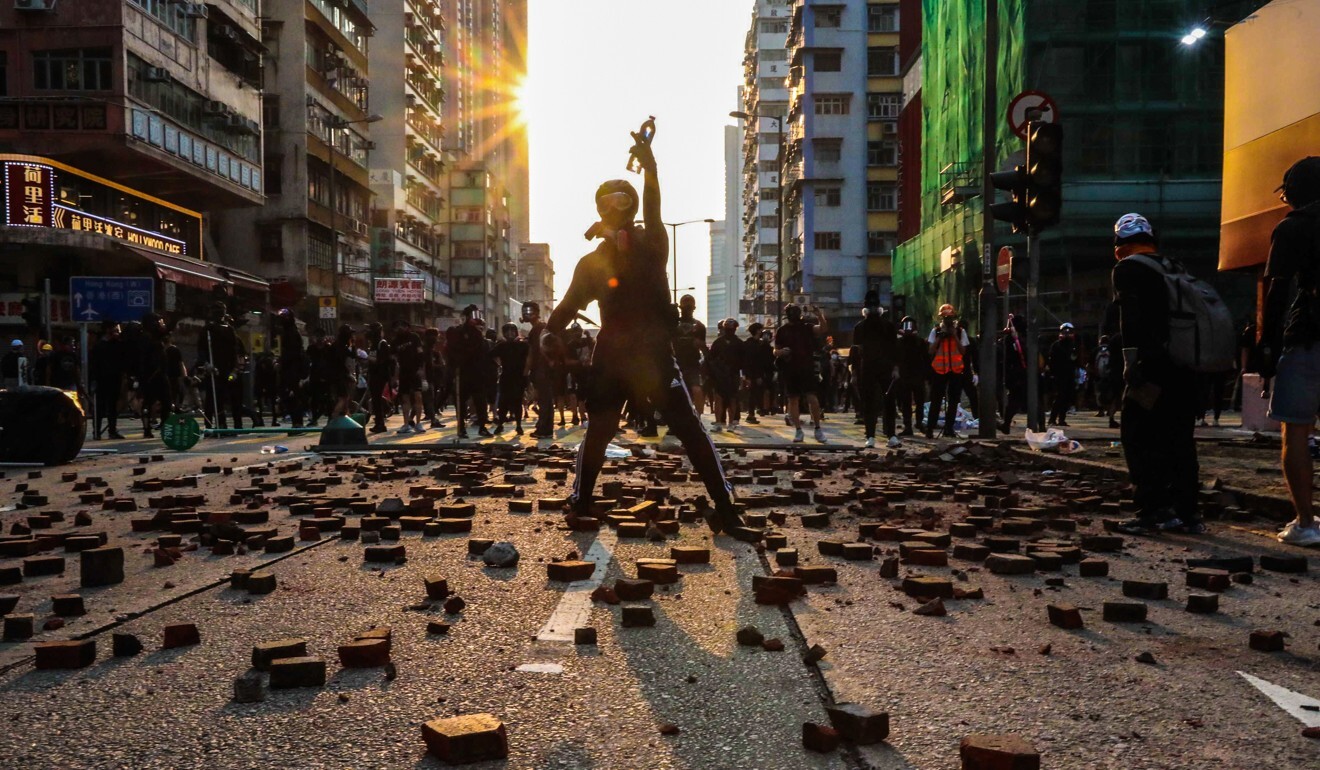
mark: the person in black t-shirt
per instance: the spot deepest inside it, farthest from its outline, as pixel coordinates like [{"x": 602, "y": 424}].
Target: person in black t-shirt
[
  {"x": 381, "y": 371},
  {"x": 1159, "y": 404},
  {"x": 410, "y": 354},
  {"x": 726, "y": 360},
  {"x": 511, "y": 354},
  {"x": 634, "y": 354},
  {"x": 1290, "y": 339},
  {"x": 875, "y": 368},
  {"x": 795, "y": 348},
  {"x": 466, "y": 346},
  {"x": 690, "y": 349}
]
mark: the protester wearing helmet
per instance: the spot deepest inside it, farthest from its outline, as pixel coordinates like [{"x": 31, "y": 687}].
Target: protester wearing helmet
[
  {"x": 1061, "y": 373},
  {"x": 634, "y": 355},
  {"x": 909, "y": 391},
  {"x": 690, "y": 349},
  {"x": 511, "y": 354},
  {"x": 726, "y": 364},
  {"x": 795, "y": 348},
  {"x": 1289, "y": 337},
  {"x": 759, "y": 368},
  {"x": 1159, "y": 404},
  {"x": 467, "y": 357},
  {"x": 875, "y": 365},
  {"x": 14, "y": 366},
  {"x": 1013, "y": 355},
  {"x": 947, "y": 347}
]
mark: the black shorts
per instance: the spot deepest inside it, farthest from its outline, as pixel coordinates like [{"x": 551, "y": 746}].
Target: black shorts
[
  {"x": 799, "y": 381},
  {"x": 640, "y": 375},
  {"x": 692, "y": 377}
]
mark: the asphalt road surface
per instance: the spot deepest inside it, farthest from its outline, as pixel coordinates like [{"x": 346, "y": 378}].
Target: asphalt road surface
[{"x": 682, "y": 693}]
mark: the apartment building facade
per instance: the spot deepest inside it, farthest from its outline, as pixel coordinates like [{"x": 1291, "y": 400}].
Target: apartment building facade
[
  {"x": 535, "y": 278},
  {"x": 841, "y": 173},
  {"x": 123, "y": 120}
]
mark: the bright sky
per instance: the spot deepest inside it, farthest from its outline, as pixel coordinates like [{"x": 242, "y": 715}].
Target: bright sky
[{"x": 597, "y": 69}]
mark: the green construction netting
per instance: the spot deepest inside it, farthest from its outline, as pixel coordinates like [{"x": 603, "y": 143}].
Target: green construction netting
[{"x": 953, "y": 84}]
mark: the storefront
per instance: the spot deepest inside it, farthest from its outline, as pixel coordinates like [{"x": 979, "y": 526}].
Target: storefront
[{"x": 62, "y": 224}]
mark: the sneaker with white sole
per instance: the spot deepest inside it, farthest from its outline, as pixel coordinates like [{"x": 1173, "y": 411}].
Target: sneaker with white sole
[
  {"x": 819, "y": 433},
  {"x": 733, "y": 427},
  {"x": 797, "y": 435},
  {"x": 406, "y": 429},
  {"x": 870, "y": 442},
  {"x": 717, "y": 428},
  {"x": 1296, "y": 534},
  {"x": 895, "y": 442},
  {"x": 419, "y": 428}
]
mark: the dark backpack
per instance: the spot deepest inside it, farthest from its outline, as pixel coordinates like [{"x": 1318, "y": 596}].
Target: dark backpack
[{"x": 1201, "y": 331}]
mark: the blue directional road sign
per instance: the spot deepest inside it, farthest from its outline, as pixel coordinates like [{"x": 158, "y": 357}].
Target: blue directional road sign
[{"x": 94, "y": 299}]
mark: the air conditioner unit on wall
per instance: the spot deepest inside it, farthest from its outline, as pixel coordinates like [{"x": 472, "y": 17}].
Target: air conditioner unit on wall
[
  {"x": 157, "y": 75},
  {"x": 34, "y": 5}
]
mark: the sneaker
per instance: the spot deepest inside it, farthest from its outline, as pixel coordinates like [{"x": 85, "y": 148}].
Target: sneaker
[
  {"x": 518, "y": 431},
  {"x": 1202, "y": 423},
  {"x": 437, "y": 424},
  {"x": 895, "y": 442},
  {"x": 406, "y": 429},
  {"x": 870, "y": 442},
  {"x": 797, "y": 436},
  {"x": 1216, "y": 422},
  {"x": 1177, "y": 525},
  {"x": 484, "y": 433},
  {"x": 753, "y": 421},
  {"x": 1137, "y": 527},
  {"x": 733, "y": 428},
  {"x": 418, "y": 427},
  {"x": 716, "y": 428},
  {"x": 499, "y": 428},
  {"x": 1296, "y": 534},
  {"x": 378, "y": 429},
  {"x": 907, "y": 432},
  {"x": 819, "y": 434}
]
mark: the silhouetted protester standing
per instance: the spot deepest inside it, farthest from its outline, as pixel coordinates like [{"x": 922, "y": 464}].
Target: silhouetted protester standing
[
  {"x": 380, "y": 373},
  {"x": 106, "y": 362},
  {"x": 511, "y": 355},
  {"x": 1062, "y": 366},
  {"x": 634, "y": 355},
  {"x": 876, "y": 341},
  {"x": 153, "y": 365},
  {"x": 1159, "y": 404},
  {"x": 467, "y": 356},
  {"x": 293, "y": 370}
]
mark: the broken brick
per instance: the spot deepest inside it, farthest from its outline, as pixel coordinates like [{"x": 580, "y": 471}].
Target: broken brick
[
  {"x": 819, "y": 738},
  {"x": 1266, "y": 641},
  {"x": 365, "y": 653},
  {"x": 181, "y": 635},
  {"x": 65, "y": 655},
  {"x": 1010, "y": 564},
  {"x": 1203, "y": 604},
  {"x": 998, "y": 752},
  {"x": 749, "y": 636},
  {"x": 1124, "y": 612},
  {"x": 570, "y": 571},
  {"x": 265, "y": 653},
  {"x": 1145, "y": 589},
  {"x": 1065, "y": 616},
  {"x": 302, "y": 671},
  {"x": 466, "y": 739},
  {"x": 859, "y": 724},
  {"x": 584, "y": 635},
  {"x": 1093, "y": 568},
  {"x": 629, "y": 590},
  {"x": 638, "y": 617}
]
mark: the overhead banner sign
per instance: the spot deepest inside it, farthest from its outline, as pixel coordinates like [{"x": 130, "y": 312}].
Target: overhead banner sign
[
  {"x": 36, "y": 196},
  {"x": 401, "y": 291}
]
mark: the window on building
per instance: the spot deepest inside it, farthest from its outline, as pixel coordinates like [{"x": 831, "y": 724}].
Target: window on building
[
  {"x": 272, "y": 244},
  {"x": 828, "y": 61},
  {"x": 829, "y": 196},
  {"x": 274, "y": 167},
  {"x": 882, "y": 18},
  {"x": 882, "y": 61},
  {"x": 831, "y": 104},
  {"x": 468, "y": 251},
  {"x": 319, "y": 252},
  {"x": 773, "y": 54},
  {"x": 770, "y": 194},
  {"x": 829, "y": 151},
  {"x": 74, "y": 69},
  {"x": 827, "y": 290},
  {"x": 881, "y": 153},
  {"x": 828, "y": 18},
  {"x": 770, "y": 221},
  {"x": 170, "y": 13},
  {"x": 774, "y": 27},
  {"x": 829, "y": 241},
  {"x": 883, "y": 106},
  {"x": 880, "y": 243},
  {"x": 770, "y": 166},
  {"x": 769, "y": 250},
  {"x": 881, "y": 196}
]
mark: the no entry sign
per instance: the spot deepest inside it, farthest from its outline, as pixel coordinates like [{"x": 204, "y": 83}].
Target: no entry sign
[
  {"x": 1004, "y": 269},
  {"x": 1028, "y": 106}
]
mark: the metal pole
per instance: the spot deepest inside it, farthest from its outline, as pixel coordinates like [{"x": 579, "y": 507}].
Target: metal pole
[
  {"x": 779, "y": 228},
  {"x": 674, "y": 247},
  {"x": 988, "y": 364},
  {"x": 1033, "y": 337},
  {"x": 334, "y": 229},
  {"x": 46, "y": 311}
]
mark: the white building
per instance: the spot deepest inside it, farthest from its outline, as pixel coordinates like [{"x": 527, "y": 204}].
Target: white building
[
  {"x": 765, "y": 97},
  {"x": 725, "y": 282}
]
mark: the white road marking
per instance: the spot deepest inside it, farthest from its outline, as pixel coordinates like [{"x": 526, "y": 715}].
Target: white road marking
[
  {"x": 540, "y": 668},
  {"x": 1287, "y": 700},
  {"x": 574, "y": 610}
]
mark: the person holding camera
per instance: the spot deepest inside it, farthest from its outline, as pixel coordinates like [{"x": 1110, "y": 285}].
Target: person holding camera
[{"x": 947, "y": 346}]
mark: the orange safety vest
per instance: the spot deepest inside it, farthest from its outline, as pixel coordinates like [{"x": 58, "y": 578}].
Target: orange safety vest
[{"x": 948, "y": 358}]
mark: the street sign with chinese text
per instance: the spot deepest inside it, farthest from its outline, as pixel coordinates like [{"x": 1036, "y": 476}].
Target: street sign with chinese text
[
  {"x": 328, "y": 307},
  {"x": 405, "y": 291},
  {"x": 95, "y": 299}
]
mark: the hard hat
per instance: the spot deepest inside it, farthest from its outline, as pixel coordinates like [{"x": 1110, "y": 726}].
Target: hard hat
[
  {"x": 947, "y": 311},
  {"x": 1065, "y": 327},
  {"x": 46, "y": 348},
  {"x": 16, "y": 344}
]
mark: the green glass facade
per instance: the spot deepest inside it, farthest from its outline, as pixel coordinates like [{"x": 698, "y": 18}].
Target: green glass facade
[{"x": 1142, "y": 117}]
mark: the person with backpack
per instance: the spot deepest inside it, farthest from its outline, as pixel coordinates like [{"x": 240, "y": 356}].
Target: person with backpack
[
  {"x": 1106, "y": 388},
  {"x": 1061, "y": 368},
  {"x": 1159, "y": 410},
  {"x": 1289, "y": 352}
]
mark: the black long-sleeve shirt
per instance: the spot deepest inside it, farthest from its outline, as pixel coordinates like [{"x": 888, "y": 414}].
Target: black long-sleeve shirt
[
  {"x": 1143, "y": 315},
  {"x": 877, "y": 339}
]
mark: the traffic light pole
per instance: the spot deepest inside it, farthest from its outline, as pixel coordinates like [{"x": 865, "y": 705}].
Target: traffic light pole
[
  {"x": 1033, "y": 336},
  {"x": 987, "y": 362}
]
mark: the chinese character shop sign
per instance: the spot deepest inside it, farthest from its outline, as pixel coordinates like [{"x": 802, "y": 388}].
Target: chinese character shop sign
[
  {"x": 403, "y": 291},
  {"x": 30, "y": 201}
]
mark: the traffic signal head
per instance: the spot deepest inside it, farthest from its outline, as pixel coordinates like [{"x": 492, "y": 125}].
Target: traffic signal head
[
  {"x": 1044, "y": 175},
  {"x": 1014, "y": 211}
]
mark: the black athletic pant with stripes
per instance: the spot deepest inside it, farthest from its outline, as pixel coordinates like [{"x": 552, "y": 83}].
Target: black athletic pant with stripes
[{"x": 645, "y": 376}]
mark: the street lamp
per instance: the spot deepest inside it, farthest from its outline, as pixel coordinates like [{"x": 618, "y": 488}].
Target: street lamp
[
  {"x": 674, "y": 245},
  {"x": 779, "y": 209},
  {"x": 1195, "y": 36},
  {"x": 332, "y": 125}
]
